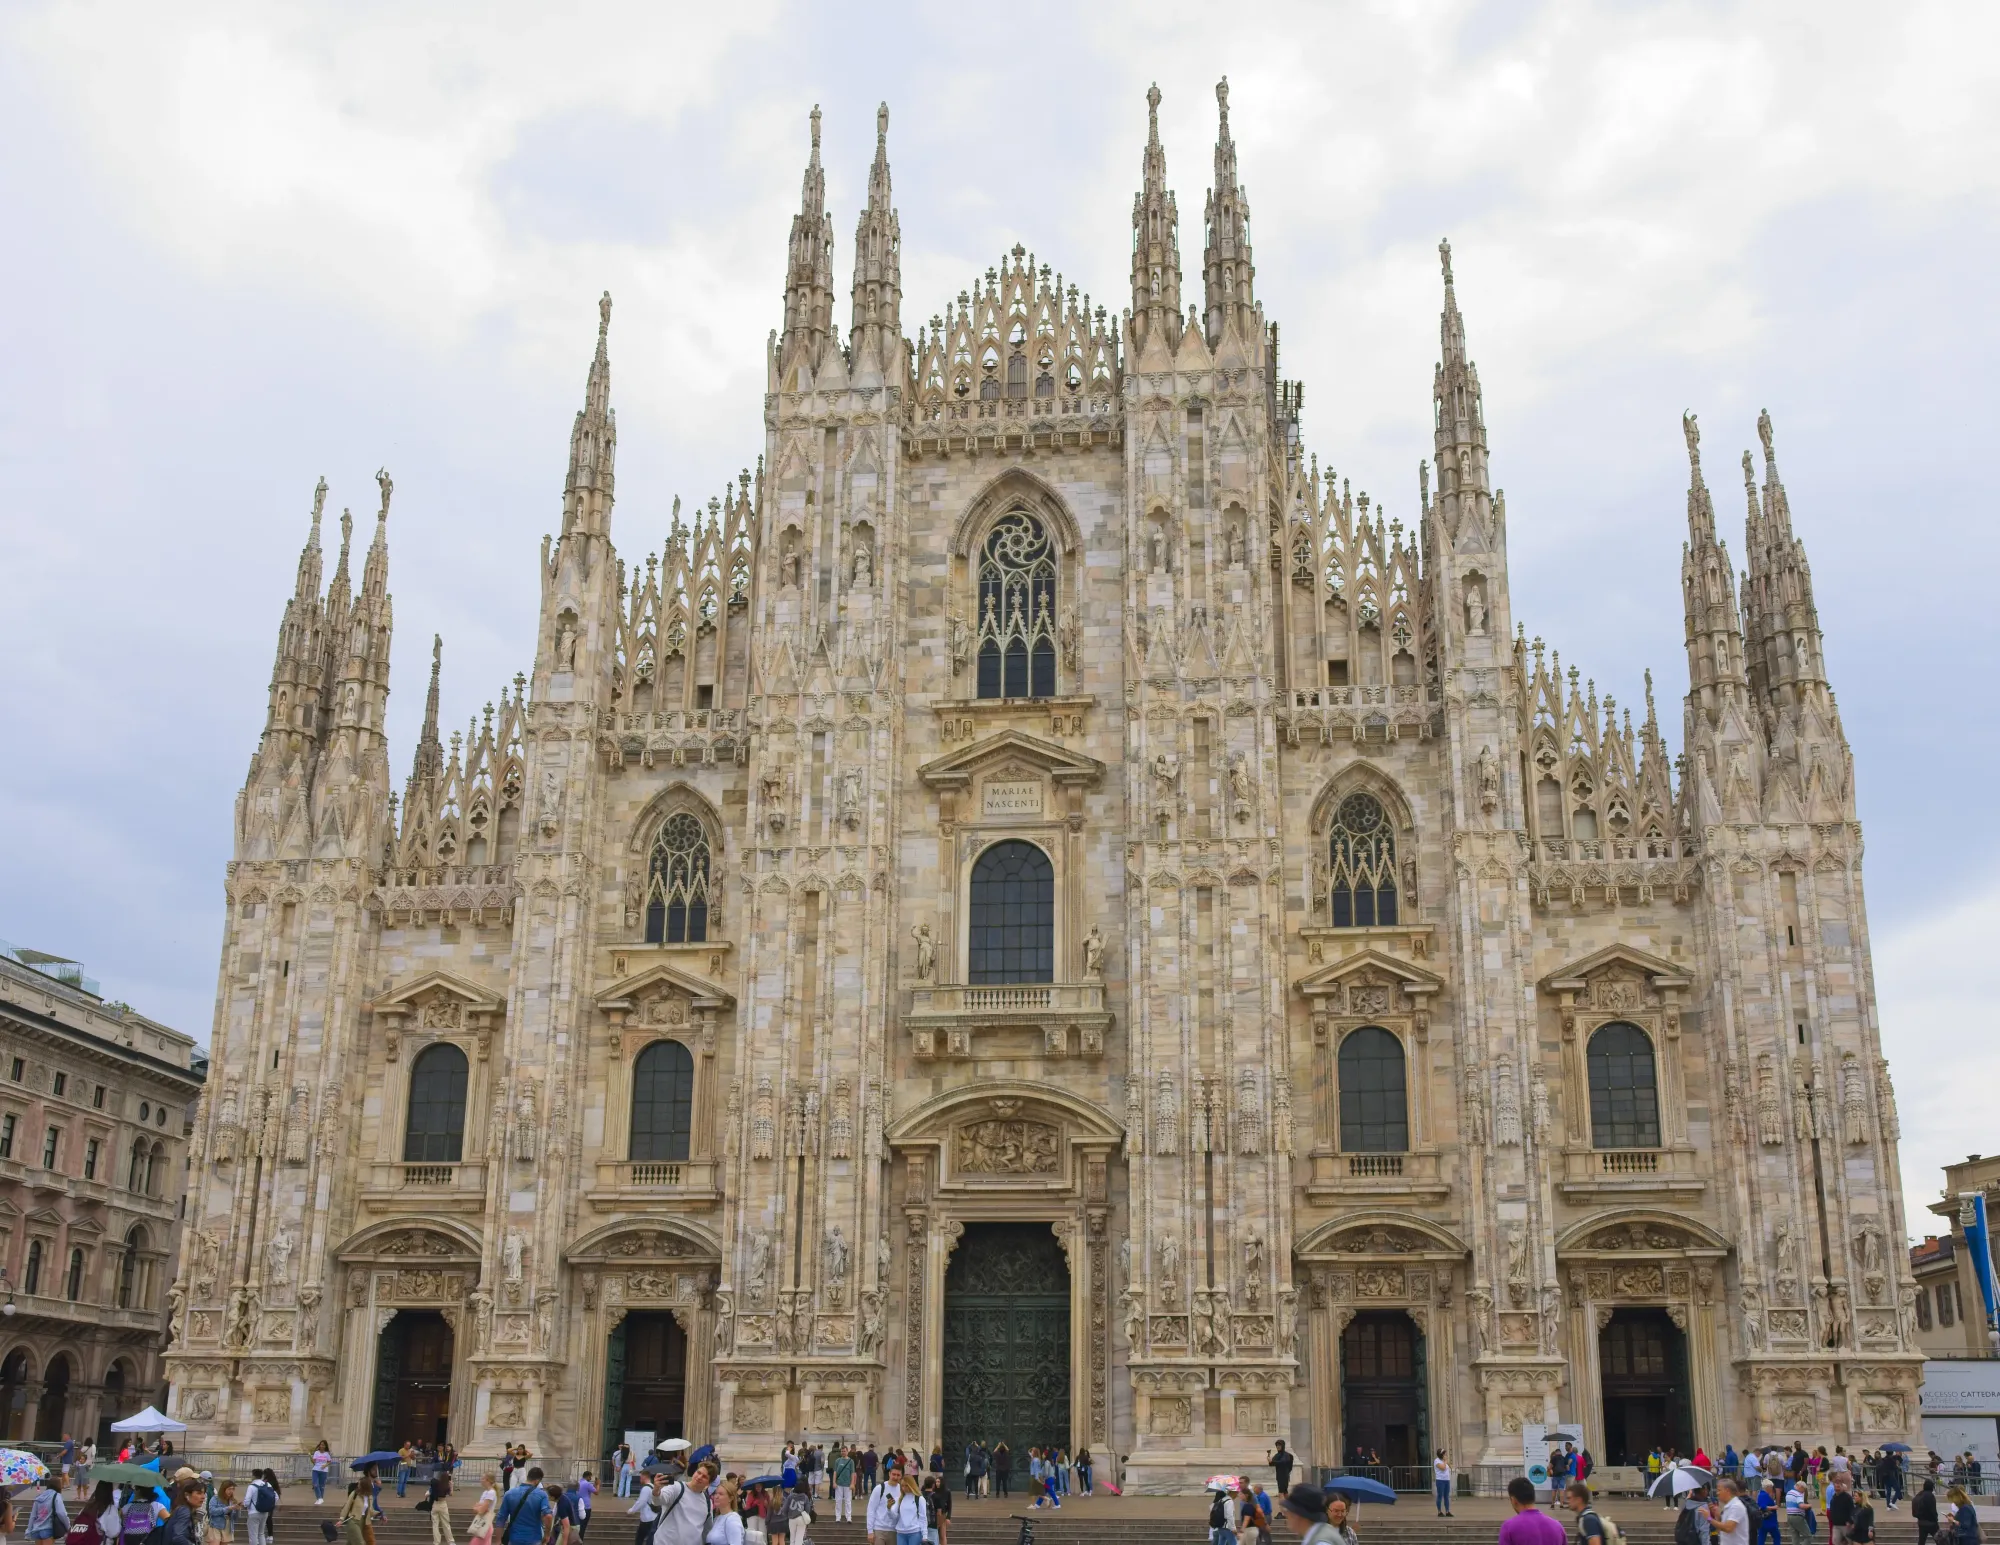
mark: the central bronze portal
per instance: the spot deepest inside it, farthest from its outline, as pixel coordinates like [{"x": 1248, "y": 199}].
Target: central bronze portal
[{"x": 1006, "y": 1342}]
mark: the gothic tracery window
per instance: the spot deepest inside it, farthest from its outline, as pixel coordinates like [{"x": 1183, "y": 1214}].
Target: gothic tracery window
[
  {"x": 677, "y": 883},
  {"x": 1624, "y": 1088},
  {"x": 662, "y": 1103},
  {"x": 1361, "y": 864},
  {"x": 1013, "y": 934},
  {"x": 1017, "y": 609}
]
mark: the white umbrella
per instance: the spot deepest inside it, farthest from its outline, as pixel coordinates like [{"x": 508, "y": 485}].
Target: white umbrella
[
  {"x": 675, "y": 1445},
  {"x": 1680, "y": 1479},
  {"x": 149, "y": 1420}
]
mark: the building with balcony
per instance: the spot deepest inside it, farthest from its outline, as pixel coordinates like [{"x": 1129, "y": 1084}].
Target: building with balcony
[{"x": 96, "y": 1104}]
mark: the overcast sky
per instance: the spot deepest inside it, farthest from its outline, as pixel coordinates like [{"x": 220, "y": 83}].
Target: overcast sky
[{"x": 251, "y": 245}]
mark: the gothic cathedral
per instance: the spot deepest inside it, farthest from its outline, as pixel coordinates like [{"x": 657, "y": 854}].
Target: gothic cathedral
[{"x": 1038, "y": 916}]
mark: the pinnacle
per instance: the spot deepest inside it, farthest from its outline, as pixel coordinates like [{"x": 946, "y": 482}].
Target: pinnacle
[
  {"x": 1444, "y": 257},
  {"x": 815, "y": 132},
  {"x": 388, "y": 487},
  {"x": 603, "y": 319}
]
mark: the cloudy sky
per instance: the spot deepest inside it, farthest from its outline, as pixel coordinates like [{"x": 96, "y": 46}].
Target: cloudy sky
[{"x": 253, "y": 244}]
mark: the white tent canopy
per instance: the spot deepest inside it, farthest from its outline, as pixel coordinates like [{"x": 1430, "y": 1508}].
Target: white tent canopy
[{"x": 149, "y": 1420}]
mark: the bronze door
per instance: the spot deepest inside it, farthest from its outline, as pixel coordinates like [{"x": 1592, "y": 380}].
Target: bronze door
[{"x": 1006, "y": 1342}]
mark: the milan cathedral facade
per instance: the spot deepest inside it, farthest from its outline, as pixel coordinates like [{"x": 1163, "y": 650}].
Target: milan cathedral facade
[{"x": 1039, "y": 915}]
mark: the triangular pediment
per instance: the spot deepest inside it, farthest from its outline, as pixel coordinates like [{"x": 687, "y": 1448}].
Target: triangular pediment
[
  {"x": 1369, "y": 963},
  {"x": 1576, "y": 974},
  {"x": 1031, "y": 754},
  {"x": 668, "y": 978},
  {"x": 48, "y": 1217},
  {"x": 440, "y": 981}
]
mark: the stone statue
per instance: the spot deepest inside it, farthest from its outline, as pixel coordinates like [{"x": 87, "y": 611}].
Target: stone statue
[
  {"x": 1166, "y": 769},
  {"x": 1475, "y": 611},
  {"x": 873, "y": 1324},
  {"x": 759, "y": 1275},
  {"x": 850, "y": 799},
  {"x": 526, "y": 1138},
  {"x": 278, "y": 1256},
  {"x": 513, "y": 1247},
  {"x": 1239, "y": 782},
  {"x": 481, "y": 1303},
  {"x": 1170, "y": 1262},
  {"x": 1786, "y": 1250},
  {"x": 926, "y": 951},
  {"x": 864, "y": 567},
  {"x": 1479, "y": 1311},
  {"x": 1475, "y": 1108},
  {"x": 1517, "y": 1256},
  {"x": 1489, "y": 780},
  {"x": 566, "y": 645},
  {"x": 1752, "y": 1308},
  {"x": 836, "y": 1256},
  {"x": 1093, "y": 952}
]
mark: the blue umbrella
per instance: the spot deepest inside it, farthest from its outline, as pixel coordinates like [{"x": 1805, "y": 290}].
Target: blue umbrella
[
  {"x": 704, "y": 1452},
  {"x": 766, "y": 1480},
  {"x": 1358, "y": 1488},
  {"x": 379, "y": 1457},
  {"x": 1895, "y": 1448}
]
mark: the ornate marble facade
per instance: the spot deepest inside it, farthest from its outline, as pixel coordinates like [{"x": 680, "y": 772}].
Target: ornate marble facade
[{"x": 1052, "y": 604}]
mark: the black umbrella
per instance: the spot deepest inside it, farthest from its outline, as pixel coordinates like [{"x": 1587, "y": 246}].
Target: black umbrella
[{"x": 378, "y": 1458}]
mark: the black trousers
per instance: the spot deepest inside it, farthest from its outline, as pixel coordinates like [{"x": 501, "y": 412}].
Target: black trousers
[{"x": 1000, "y": 1483}]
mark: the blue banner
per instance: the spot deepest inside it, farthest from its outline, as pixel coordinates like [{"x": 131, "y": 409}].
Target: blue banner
[{"x": 1973, "y": 1215}]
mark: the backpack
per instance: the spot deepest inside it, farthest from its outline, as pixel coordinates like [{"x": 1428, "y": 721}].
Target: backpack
[
  {"x": 1217, "y": 1518},
  {"x": 137, "y": 1518},
  {"x": 1613, "y": 1535},
  {"x": 83, "y": 1531},
  {"x": 1686, "y": 1532},
  {"x": 262, "y": 1498}
]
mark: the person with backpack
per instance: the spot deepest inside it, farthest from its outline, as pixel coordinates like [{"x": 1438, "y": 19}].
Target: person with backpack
[
  {"x": 438, "y": 1505},
  {"x": 683, "y": 1505},
  {"x": 260, "y": 1502},
  {"x": 354, "y": 1524},
  {"x": 1923, "y": 1510},
  {"x": 46, "y": 1514},
  {"x": 1592, "y": 1527},
  {"x": 524, "y": 1512}
]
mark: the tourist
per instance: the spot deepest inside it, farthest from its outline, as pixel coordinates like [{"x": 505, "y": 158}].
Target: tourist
[
  {"x": 260, "y": 1503},
  {"x": 322, "y": 1467},
  {"x": 908, "y": 1511},
  {"x": 870, "y": 1460},
  {"x": 725, "y": 1525},
  {"x": 1964, "y": 1517},
  {"x": 843, "y": 1484},
  {"x": 1336, "y": 1522},
  {"x": 1529, "y": 1525},
  {"x": 622, "y": 1468},
  {"x": 188, "y": 1517},
  {"x": 1281, "y": 1459},
  {"x": 1049, "y": 1493},
  {"x": 222, "y": 1511},
  {"x": 1589, "y": 1523},
  {"x": 1767, "y": 1510},
  {"x": 1732, "y": 1519},
  {"x": 1440, "y": 1483},
  {"x": 1861, "y": 1529},
  {"x": 1839, "y": 1507},
  {"x": 46, "y": 1514},
  {"x": 524, "y": 1511},
  {"x": 1798, "y": 1515},
  {"x": 1304, "y": 1510},
  {"x": 438, "y": 1504},
  {"x": 1253, "y": 1524},
  {"x": 1003, "y": 1467},
  {"x": 354, "y": 1524},
  {"x": 1889, "y": 1478},
  {"x": 101, "y": 1513},
  {"x": 797, "y": 1513},
  {"x": 937, "y": 1502},
  {"x": 878, "y": 1514},
  {"x": 1924, "y": 1510},
  {"x": 480, "y": 1530},
  {"x": 1085, "y": 1471}
]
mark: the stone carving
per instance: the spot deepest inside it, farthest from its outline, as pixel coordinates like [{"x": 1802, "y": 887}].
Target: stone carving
[
  {"x": 1770, "y": 1123},
  {"x": 758, "y": 1278},
  {"x": 1516, "y": 1240},
  {"x": 1853, "y": 1102},
  {"x": 837, "y": 1255},
  {"x": 1885, "y": 1100},
  {"x": 278, "y": 1256},
  {"x": 1208, "y": 1325},
  {"x": 1785, "y": 1257},
  {"x": 228, "y": 1129},
  {"x": 1488, "y": 780},
  {"x": 1170, "y": 1416},
  {"x": 874, "y": 1324},
  {"x": 1249, "y": 1115},
  {"x": 1506, "y": 1109},
  {"x": 527, "y": 1134},
  {"x": 1170, "y": 1269},
  {"x": 1538, "y": 1104},
  {"x": 763, "y": 1121},
  {"x": 1000, "y": 1147},
  {"x": 840, "y": 1125},
  {"x": 1479, "y": 1312},
  {"x": 849, "y": 799},
  {"x": 298, "y": 1125},
  {"x": 1166, "y": 1116},
  {"x": 1802, "y": 1111},
  {"x": 1475, "y": 609},
  {"x": 1093, "y": 953},
  {"x": 926, "y": 951},
  {"x": 1475, "y": 1107},
  {"x": 513, "y": 1254}
]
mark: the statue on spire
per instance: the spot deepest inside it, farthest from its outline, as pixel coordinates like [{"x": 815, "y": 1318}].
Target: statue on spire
[{"x": 388, "y": 486}]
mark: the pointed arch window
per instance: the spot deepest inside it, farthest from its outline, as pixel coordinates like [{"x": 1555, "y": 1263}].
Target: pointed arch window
[
  {"x": 1361, "y": 864},
  {"x": 662, "y": 1102},
  {"x": 1374, "y": 1108},
  {"x": 1013, "y": 936},
  {"x": 128, "y": 1266},
  {"x": 1017, "y": 609},
  {"x": 436, "y": 1130},
  {"x": 1624, "y": 1088},
  {"x": 677, "y": 882}
]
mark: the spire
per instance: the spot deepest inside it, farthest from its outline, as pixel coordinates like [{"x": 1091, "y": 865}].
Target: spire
[
  {"x": 877, "y": 330},
  {"x": 1464, "y": 487},
  {"x": 309, "y": 555},
  {"x": 809, "y": 271},
  {"x": 1780, "y": 619},
  {"x": 429, "y": 761},
  {"x": 375, "y": 572},
  {"x": 1156, "y": 247},
  {"x": 593, "y": 439},
  {"x": 1227, "y": 272},
  {"x": 1714, "y": 640}
]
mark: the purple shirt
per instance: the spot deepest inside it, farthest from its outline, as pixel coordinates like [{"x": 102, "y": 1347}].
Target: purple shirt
[{"x": 1533, "y": 1527}]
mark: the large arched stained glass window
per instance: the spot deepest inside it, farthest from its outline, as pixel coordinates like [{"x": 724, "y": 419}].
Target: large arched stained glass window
[
  {"x": 1624, "y": 1089},
  {"x": 677, "y": 883},
  {"x": 1361, "y": 864},
  {"x": 1374, "y": 1112},
  {"x": 436, "y": 1130},
  {"x": 1017, "y": 609},
  {"x": 1013, "y": 934},
  {"x": 662, "y": 1102}
]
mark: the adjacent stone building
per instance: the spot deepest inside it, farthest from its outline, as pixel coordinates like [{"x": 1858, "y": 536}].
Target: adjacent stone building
[
  {"x": 96, "y": 1103},
  {"x": 1040, "y": 913}
]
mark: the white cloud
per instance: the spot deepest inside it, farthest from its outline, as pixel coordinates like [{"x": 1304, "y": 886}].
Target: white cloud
[{"x": 1933, "y": 984}]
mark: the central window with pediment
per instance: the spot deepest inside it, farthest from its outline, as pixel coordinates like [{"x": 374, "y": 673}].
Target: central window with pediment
[
  {"x": 1013, "y": 916},
  {"x": 1017, "y": 609}
]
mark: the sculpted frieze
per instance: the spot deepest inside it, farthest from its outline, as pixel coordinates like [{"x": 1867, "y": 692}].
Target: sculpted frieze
[{"x": 1003, "y": 1147}]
